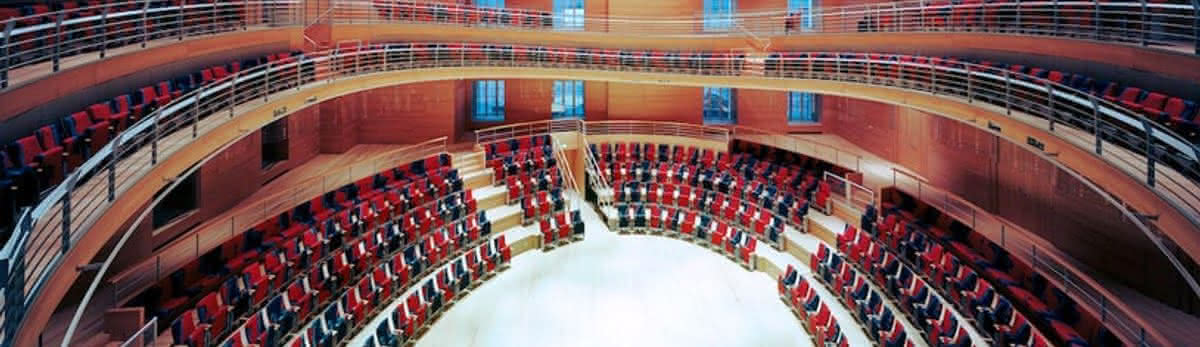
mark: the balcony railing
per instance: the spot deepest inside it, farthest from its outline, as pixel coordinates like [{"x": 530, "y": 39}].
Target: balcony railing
[
  {"x": 31, "y": 46},
  {"x": 47, "y": 232}
]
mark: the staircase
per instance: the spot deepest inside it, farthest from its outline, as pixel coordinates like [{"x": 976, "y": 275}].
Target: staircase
[
  {"x": 598, "y": 182},
  {"x": 755, "y": 64},
  {"x": 564, "y": 167}
]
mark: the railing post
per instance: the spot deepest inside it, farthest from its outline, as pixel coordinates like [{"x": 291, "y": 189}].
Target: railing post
[
  {"x": 1096, "y": 19},
  {"x": 233, "y": 90},
  {"x": 154, "y": 139},
  {"x": 267, "y": 82},
  {"x": 1096, "y": 125},
  {"x": 1057, "y": 25},
  {"x": 933, "y": 78},
  {"x": 145, "y": 13},
  {"x": 1051, "y": 114},
  {"x": 4, "y": 51},
  {"x": 1144, "y": 24},
  {"x": 1149, "y": 130},
  {"x": 1007, "y": 91},
  {"x": 112, "y": 168},
  {"x": 246, "y": 14},
  {"x": 970, "y": 86},
  {"x": 66, "y": 216},
  {"x": 179, "y": 18},
  {"x": 57, "y": 40},
  {"x": 1196, "y": 25},
  {"x": 213, "y": 14},
  {"x": 196, "y": 114},
  {"x": 103, "y": 31}
]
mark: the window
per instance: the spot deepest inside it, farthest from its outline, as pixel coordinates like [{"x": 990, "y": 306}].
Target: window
[
  {"x": 178, "y": 202},
  {"x": 802, "y": 108},
  {"x": 489, "y": 101},
  {"x": 568, "y": 100},
  {"x": 274, "y": 143},
  {"x": 489, "y": 3},
  {"x": 568, "y": 14},
  {"x": 718, "y": 14},
  {"x": 800, "y": 15},
  {"x": 719, "y": 106}
]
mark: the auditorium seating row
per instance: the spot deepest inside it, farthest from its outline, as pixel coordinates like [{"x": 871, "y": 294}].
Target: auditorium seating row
[
  {"x": 938, "y": 322},
  {"x": 726, "y": 208},
  {"x": 759, "y": 194},
  {"x": 561, "y": 229},
  {"x": 330, "y": 224},
  {"x": 525, "y": 184},
  {"x": 422, "y": 307},
  {"x": 992, "y": 312},
  {"x": 689, "y": 224},
  {"x": 861, "y": 300},
  {"x": 410, "y": 260},
  {"x": 86, "y": 36},
  {"x": 1178, "y": 114},
  {"x": 803, "y": 300},
  {"x": 37, "y": 162},
  {"x": 974, "y": 267},
  {"x": 542, "y": 204},
  {"x": 463, "y": 14}
]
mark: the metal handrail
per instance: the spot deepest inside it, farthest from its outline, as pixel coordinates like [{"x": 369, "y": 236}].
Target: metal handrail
[
  {"x": 818, "y": 150},
  {"x": 30, "y": 40},
  {"x": 59, "y": 220},
  {"x": 146, "y": 336}
]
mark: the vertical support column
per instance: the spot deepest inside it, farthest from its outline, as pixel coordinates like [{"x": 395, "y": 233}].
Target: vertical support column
[
  {"x": 112, "y": 168},
  {"x": 1144, "y": 24},
  {"x": 1096, "y": 126},
  {"x": 1051, "y": 113},
  {"x": 1007, "y": 92},
  {"x": 179, "y": 18}
]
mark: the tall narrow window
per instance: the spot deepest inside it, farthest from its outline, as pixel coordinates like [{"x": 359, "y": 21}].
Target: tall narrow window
[
  {"x": 274, "y": 143},
  {"x": 568, "y": 100},
  {"x": 718, "y": 14},
  {"x": 179, "y": 201},
  {"x": 800, "y": 15},
  {"x": 720, "y": 106},
  {"x": 489, "y": 101},
  {"x": 568, "y": 14},
  {"x": 802, "y": 108}
]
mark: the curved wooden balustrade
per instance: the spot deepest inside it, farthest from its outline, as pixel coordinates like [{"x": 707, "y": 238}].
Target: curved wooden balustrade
[{"x": 69, "y": 227}]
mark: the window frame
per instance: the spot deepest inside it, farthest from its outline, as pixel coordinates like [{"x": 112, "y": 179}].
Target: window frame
[
  {"x": 488, "y": 94},
  {"x": 565, "y": 16},
  {"x": 801, "y": 112},
  {"x": 709, "y": 112},
  {"x": 570, "y": 100},
  {"x": 719, "y": 15}
]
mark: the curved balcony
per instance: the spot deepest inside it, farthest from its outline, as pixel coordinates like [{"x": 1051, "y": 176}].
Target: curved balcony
[
  {"x": 39, "y": 44},
  {"x": 162, "y": 145}
]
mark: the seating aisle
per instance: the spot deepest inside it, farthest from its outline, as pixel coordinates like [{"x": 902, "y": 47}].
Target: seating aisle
[{"x": 617, "y": 290}]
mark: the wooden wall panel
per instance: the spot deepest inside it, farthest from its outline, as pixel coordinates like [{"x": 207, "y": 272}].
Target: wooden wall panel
[
  {"x": 595, "y": 100},
  {"x": 655, "y": 8},
  {"x": 768, "y": 109},
  {"x": 1008, "y": 180},
  {"x": 543, "y": 5},
  {"x": 228, "y": 178},
  {"x": 654, "y": 102},
  {"x": 408, "y": 113}
]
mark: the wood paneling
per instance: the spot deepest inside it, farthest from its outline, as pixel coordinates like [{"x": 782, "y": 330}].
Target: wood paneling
[
  {"x": 401, "y": 114},
  {"x": 627, "y": 101},
  {"x": 768, "y": 109},
  {"x": 1008, "y": 180}
]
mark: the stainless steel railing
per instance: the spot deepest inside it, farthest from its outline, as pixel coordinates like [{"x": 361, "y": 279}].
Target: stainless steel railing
[
  {"x": 36, "y": 44},
  {"x": 47, "y": 232},
  {"x": 42, "y": 41}
]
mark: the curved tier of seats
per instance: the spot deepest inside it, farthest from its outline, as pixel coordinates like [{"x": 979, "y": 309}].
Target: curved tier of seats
[
  {"x": 973, "y": 270},
  {"x": 417, "y": 211},
  {"x": 35, "y": 163}
]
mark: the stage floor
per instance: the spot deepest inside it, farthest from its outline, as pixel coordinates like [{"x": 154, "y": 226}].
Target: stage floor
[{"x": 618, "y": 290}]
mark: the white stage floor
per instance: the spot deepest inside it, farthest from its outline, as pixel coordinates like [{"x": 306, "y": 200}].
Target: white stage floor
[{"x": 618, "y": 290}]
